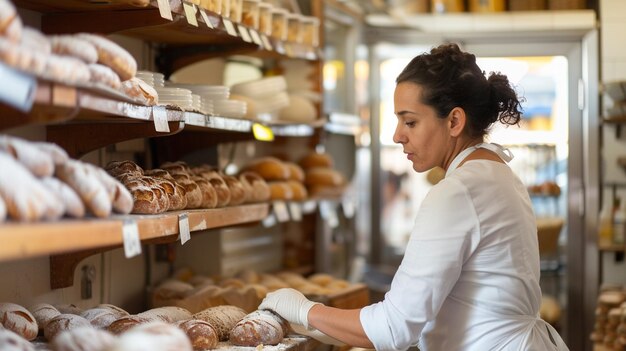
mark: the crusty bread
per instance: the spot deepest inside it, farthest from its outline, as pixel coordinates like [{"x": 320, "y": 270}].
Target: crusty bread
[
  {"x": 112, "y": 55},
  {"x": 56, "y": 153},
  {"x": 177, "y": 167},
  {"x": 260, "y": 327},
  {"x": 70, "y": 45},
  {"x": 222, "y": 318},
  {"x": 218, "y": 183},
  {"x": 318, "y": 176},
  {"x": 3, "y": 210},
  {"x": 270, "y": 168},
  {"x": 62, "y": 323},
  {"x": 101, "y": 74},
  {"x": 295, "y": 171},
  {"x": 193, "y": 193},
  {"x": 140, "y": 91},
  {"x": 100, "y": 318},
  {"x": 82, "y": 339},
  {"x": 120, "y": 197},
  {"x": 69, "y": 308},
  {"x": 35, "y": 40},
  {"x": 43, "y": 313},
  {"x": 66, "y": 196},
  {"x": 119, "y": 168},
  {"x": 148, "y": 196},
  {"x": 119, "y": 312},
  {"x": 209, "y": 195},
  {"x": 201, "y": 334},
  {"x": 66, "y": 70},
  {"x": 10, "y": 22},
  {"x": 256, "y": 187},
  {"x": 84, "y": 180},
  {"x": 154, "y": 335},
  {"x": 38, "y": 162},
  {"x": 10, "y": 341},
  {"x": 238, "y": 194},
  {"x": 298, "y": 190},
  {"x": 169, "y": 314},
  {"x": 280, "y": 190},
  {"x": 315, "y": 159},
  {"x": 123, "y": 324},
  {"x": 19, "y": 320}
]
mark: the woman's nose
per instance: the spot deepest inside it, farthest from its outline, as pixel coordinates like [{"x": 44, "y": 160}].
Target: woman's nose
[{"x": 398, "y": 138}]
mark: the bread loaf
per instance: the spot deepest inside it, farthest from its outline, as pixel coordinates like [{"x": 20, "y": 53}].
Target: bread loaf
[
  {"x": 169, "y": 314},
  {"x": 72, "y": 203},
  {"x": 83, "y": 339},
  {"x": 10, "y": 22},
  {"x": 295, "y": 172},
  {"x": 298, "y": 190},
  {"x": 35, "y": 40},
  {"x": 209, "y": 195},
  {"x": 36, "y": 161},
  {"x": 62, "y": 323},
  {"x": 177, "y": 167},
  {"x": 121, "y": 199},
  {"x": 101, "y": 74},
  {"x": 118, "y": 311},
  {"x": 315, "y": 159},
  {"x": 123, "y": 324},
  {"x": 256, "y": 187},
  {"x": 323, "y": 177},
  {"x": 218, "y": 183},
  {"x": 10, "y": 341},
  {"x": 66, "y": 70},
  {"x": 140, "y": 91},
  {"x": 56, "y": 153},
  {"x": 260, "y": 327},
  {"x": 175, "y": 193},
  {"x": 118, "y": 168},
  {"x": 153, "y": 336},
  {"x": 69, "y": 309},
  {"x": 43, "y": 313},
  {"x": 84, "y": 180},
  {"x": 100, "y": 318},
  {"x": 148, "y": 196},
  {"x": 238, "y": 193},
  {"x": 270, "y": 168},
  {"x": 112, "y": 55},
  {"x": 193, "y": 193},
  {"x": 201, "y": 334},
  {"x": 69, "y": 45},
  {"x": 280, "y": 190},
  {"x": 169, "y": 290},
  {"x": 222, "y": 318},
  {"x": 3, "y": 210},
  {"x": 19, "y": 320}
]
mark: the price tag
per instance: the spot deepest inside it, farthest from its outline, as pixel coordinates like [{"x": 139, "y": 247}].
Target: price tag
[
  {"x": 269, "y": 221},
  {"x": 17, "y": 89},
  {"x": 159, "y": 115},
  {"x": 255, "y": 37},
  {"x": 230, "y": 27},
  {"x": 183, "y": 228},
  {"x": 329, "y": 214},
  {"x": 309, "y": 206},
  {"x": 262, "y": 133},
  {"x": 206, "y": 19},
  {"x": 296, "y": 211},
  {"x": 190, "y": 13},
  {"x": 266, "y": 43},
  {"x": 130, "y": 235},
  {"x": 348, "y": 207},
  {"x": 243, "y": 31},
  {"x": 164, "y": 9},
  {"x": 281, "y": 212}
]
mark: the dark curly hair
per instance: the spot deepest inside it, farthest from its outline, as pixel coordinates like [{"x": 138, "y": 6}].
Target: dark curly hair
[{"x": 451, "y": 78}]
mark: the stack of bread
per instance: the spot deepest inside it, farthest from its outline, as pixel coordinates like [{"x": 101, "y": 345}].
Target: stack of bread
[
  {"x": 40, "y": 182},
  {"x": 608, "y": 328},
  {"x": 177, "y": 186},
  {"x": 245, "y": 290},
  {"x": 108, "y": 327},
  {"x": 76, "y": 59},
  {"x": 285, "y": 179},
  {"x": 320, "y": 178}
]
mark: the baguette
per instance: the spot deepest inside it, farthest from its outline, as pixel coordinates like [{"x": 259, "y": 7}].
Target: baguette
[
  {"x": 66, "y": 196},
  {"x": 84, "y": 180},
  {"x": 112, "y": 55},
  {"x": 38, "y": 162}
]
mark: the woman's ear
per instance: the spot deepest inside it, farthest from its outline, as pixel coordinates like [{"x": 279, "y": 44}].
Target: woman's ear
[{"x": 457, "y": 121}]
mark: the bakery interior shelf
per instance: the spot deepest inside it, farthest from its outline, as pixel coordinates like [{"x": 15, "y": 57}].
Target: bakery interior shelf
[
  {"x": 611, "y": 247},
  {"x": 27, "y": 240}
]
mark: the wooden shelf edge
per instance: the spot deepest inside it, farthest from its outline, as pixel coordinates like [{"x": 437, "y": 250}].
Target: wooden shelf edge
[{"x": 611, "y": 247}]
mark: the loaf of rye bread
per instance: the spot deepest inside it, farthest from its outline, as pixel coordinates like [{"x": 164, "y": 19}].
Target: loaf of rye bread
[
  {"x": 222, "y": 318},
  {"x": 83, "y": 339},
  {"x": 18, "y": 320},
  {"x": 201, "y": 334},
  {"x": 261, "y": 327}
]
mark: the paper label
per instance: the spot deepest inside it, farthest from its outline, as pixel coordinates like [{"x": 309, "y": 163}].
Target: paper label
[
  {"x": 17, "y": 88},
  {"x": 159, "y": 115},
  {"x": 266, "y": 43},
  {"x": 269, "y": 221},
  {"x": 348, "y": 207},
  {"x": 130, "y": 235},
  {"x": 183, "y": 228},
  {"x": 296, "y": 211},
  {"x": 255, "y": 37},
  {"x": 329, "y": 214},
  {"x": 206, "y": 18},
  {"x": 230, "y": 27},
  {"x": 281, "y": 212},
  {"x": 309, "y": 206},
  {"x": 243, "y": 31},
  {"x": 190, "y": 13},
  {"x": 164, "y": 9}
]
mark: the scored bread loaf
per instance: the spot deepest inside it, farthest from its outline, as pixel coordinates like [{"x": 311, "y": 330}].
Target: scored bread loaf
[
  {"x": 270, "y": 168},
  {"x": 43, "y": 313},
  {"x": 112, "y": 55},
  {"x": 84, "y": 180},
  {"x": 83, "y": 339},
  {"x": 118, "y": 168},
  {"x": 177, "y": 167},
  {"x": 101, "y": 74},
  {"x": 10, "y": 341},
  {"x": 62, "y": 323},
  {"x": 193, "y": 193},
  {"x": 209, "y": 195},
  {"x": 298, "y": 190},
  {"x": 69, "y": 308},
  {"x": 35, "y": 40},
  {"x": 121, "y": 199},
  {"x": 56, "y": 153},
  {"x": 218, "y": 183},
  {"x": 261, "y": 327},
  {"x": 119, "y": 312},
  {"x": 169, "y": 314},
  {"x": 295, "y": 172},
  {"x": 151, "y": 336},
  {"x": 175, "y": 192},
  {"x": 201, "y": 334},
  {"x": 256, "y": 187},
  {"x": 19, "y": 320},
  {"x": 222, "y": 318},
  {"x": 67, "y": 70},
  {"x": 238, "y": 194},
  {"x": 148, "y": 196},
  {"x": 100, "y": 318},
  {"x": 123, "y": 324}
]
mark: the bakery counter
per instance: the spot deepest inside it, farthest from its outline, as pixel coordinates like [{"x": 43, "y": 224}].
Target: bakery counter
[{"x": 27, "y": 240}]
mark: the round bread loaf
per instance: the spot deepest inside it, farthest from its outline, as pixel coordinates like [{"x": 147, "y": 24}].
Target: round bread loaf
[
  {"x": 177, "y": 167},
  {"x": 321, "y": 279},
  {"x": 83, "y": 339},
  {"x": 169, "y": 314},
  {"x": 123, "y": 324},
  {"x": 256, "y": 187},
  {"x": 43, "y": 313},
  {"x": 100, "y": 317},
  {"x": 270, "y": 168},
  {"x": 237, "y": 191},
  {"x": 10, "y": 341},
  {"x": 118, "y": 168},
  {"x": 295, "y": 172},
  {"x": 299, "y": 191},
  {"x": 193, "y": 193},
  {"x": 201, "y": 334},
  {"x": 148, "y": 196},
  {"x": 315, "y": 159},
  {"x": 119, "y": 312},
  {"x": 62, "y": 323},
  {"x": 280, "y": 190},
  {"x": 222, "y": 318},
  {"x": 170, "y": 290},
  {"x": 151, "y": 336},
  {"x": 19, "y": 320},
  {"x": 260, "y": 327},
  {"x": 69, "y": 309},
  {"x": 218, "y": 183},
  {"x": 323, "y": 176},
  {"x": 209, "y": 195},
  {"x": 112, "y": 55}
]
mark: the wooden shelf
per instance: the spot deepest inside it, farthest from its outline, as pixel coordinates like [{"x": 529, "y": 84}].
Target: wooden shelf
[
  {"x": 27, "y": 240},
  {"x": 611, "y": 247}
]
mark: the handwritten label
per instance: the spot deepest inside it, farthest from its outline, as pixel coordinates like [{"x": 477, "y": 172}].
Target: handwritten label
[
  {"x": 243, "y": 31},
  {"x": 230, "y": 27},
  {"x": 281, "y": 212},
  {"x": 190, "y": 13},
  {"x": 296, "y": 211},
  {"x": 206, "y": 18},
  {"x": 164, "y": 9},
  {"x": 130, "y": 235},
  {"x": 269, "y": 221},
  {"x": 17, "y": 89},
  {"x": 183, "y": 228},
  {"x": 159, "y": 115}
]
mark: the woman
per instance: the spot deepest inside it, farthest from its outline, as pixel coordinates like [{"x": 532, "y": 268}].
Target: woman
[{"x": 469, "y": 279}]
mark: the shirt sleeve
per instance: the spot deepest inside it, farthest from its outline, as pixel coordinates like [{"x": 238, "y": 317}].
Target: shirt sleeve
[{"x": 445, "y": 234}]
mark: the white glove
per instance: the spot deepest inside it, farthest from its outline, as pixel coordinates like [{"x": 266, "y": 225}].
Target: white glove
[
  {"x": 316, "y": 334},
  {"x": 289, "y": 304}
]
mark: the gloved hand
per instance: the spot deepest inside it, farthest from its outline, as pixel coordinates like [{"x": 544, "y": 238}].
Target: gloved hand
[
  {"x": 289, "y": 304},
  {"x": 316, "y": 334}
]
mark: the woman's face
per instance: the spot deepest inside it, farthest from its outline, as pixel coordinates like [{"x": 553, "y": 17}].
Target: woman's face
[{"x": 424, "y": 137}]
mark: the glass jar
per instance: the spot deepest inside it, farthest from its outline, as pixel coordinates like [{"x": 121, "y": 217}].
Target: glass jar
[
  {"x": 250, "y": 13},
  {"x": 279, "y": 23},
  {"x": 309, "y": 30},
  {"x": 265, "y": 18},
  {"x": 235, "y": 10},
  {"x": 293, "y": 27}
]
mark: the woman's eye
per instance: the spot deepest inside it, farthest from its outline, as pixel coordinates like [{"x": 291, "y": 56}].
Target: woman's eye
[{"x": 409, "y": 124}]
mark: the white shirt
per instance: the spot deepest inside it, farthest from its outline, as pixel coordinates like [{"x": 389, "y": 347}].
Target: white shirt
[{"x": 469, "y": 279}]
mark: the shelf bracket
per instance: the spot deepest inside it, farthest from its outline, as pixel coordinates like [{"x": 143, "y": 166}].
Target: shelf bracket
[{"x": 62, "y": 267}]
